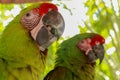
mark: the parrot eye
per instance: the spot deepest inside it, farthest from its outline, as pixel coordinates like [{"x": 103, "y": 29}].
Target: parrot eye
[
  {"x": 28, "y": 14},
  {"x": 82, "y": 41},
  {"x": 30, "y": 20}
]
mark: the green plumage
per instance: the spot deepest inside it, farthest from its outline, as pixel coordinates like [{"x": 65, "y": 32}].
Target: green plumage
[
  {"x": 71, "y": 63},
  {"x": 20, "y": 58}
]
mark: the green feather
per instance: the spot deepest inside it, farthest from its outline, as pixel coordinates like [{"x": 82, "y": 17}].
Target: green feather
[
  {"x": 71, "y": 63},
  {"x": 20, "y": 58}
]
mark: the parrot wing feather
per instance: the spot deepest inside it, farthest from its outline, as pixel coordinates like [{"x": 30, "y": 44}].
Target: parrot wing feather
[{"x": 59, "y": 73}]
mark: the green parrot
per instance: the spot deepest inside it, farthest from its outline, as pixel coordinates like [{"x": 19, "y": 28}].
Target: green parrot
[
  {"x": 76, "y": 58},
  {"x": 24, "y": 42}
]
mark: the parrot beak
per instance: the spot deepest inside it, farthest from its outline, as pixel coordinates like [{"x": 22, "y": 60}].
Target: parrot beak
[
  {"x": 97, "y": 52},
  {"x": 92, "y": 48},
  {"x": 49, "y": 29}
]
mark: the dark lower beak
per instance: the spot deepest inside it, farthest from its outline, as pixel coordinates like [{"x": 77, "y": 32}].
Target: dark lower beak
[
  {"x": 97, "y": 52},
  {"x": 45, "y": 37},
  {"x": 42, "y": 36}
]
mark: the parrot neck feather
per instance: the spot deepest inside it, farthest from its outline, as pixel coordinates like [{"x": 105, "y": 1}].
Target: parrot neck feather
[
  {"x": 70, "y": 57},
  {"x": 20, "y": 57},
  {"x": 19, "y": 50}
]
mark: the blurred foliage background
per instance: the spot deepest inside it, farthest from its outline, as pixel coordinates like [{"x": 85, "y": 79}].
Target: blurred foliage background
[{"x": 100, "y": 16}]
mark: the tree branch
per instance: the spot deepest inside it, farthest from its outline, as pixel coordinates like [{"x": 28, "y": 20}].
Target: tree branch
[{"x": 21, "y": 1}]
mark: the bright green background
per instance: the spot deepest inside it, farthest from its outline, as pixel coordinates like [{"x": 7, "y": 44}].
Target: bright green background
[{"x": 103, "y": 17}]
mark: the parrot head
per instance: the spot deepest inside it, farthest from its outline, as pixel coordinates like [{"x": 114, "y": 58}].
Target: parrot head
[
  {"x": 92, "y": 47},
  {"x": 44, "y": 23}
]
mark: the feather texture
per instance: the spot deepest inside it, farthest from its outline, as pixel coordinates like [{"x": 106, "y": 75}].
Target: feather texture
[
  {"x": 71, "y": 63},
  {"x": 20, "y": 57}
]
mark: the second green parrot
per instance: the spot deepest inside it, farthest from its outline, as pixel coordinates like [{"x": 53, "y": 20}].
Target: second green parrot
[
  {"x": 76, "y": 58},
  {"x": 24, "y": 42}
]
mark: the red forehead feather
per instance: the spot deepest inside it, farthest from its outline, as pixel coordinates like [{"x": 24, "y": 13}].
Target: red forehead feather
[
  {"x": 97, "y": 39},
  {"x": 45, "y": 7}
]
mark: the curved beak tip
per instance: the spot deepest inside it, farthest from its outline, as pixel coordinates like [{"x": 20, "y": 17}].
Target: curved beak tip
[{"x": 97, "y": 52}]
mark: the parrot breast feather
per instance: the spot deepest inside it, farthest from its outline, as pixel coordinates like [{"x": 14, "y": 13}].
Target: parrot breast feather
[
  {"x": 19, "y": 52},
  {"x": 71, "y": 62}
]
